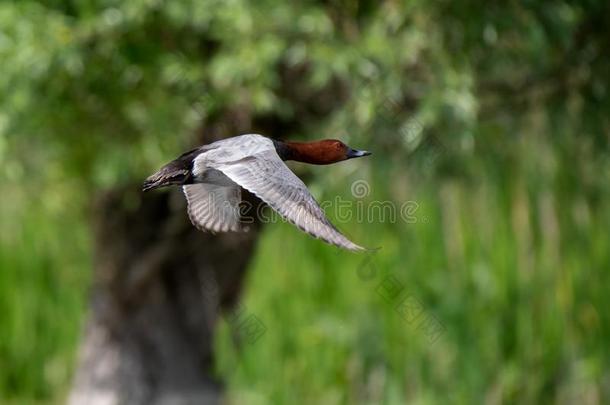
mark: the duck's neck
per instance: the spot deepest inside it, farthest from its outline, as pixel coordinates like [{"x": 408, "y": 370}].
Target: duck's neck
[{"x": 316, "y": 153}]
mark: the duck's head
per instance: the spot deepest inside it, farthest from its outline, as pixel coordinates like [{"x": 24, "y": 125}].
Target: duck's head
[
  {"x": 322, "y": 152},
  {"x": 344, "y": 152}
]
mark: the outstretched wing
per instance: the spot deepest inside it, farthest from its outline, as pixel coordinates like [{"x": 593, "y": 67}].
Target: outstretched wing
[
  {"x": 265, "y": 175},
  {"x": 212, "y": 207}
]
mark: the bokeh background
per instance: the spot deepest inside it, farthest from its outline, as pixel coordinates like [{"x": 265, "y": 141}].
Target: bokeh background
[{"x": 492, "y": 121}]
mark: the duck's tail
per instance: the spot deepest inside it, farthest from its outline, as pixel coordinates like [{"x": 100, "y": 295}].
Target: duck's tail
[
  {"x": 176, "y": 172},
  {"x": 167, "y": 176}
]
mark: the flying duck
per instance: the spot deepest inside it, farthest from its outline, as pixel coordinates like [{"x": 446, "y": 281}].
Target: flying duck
[{"x": 212, "y": 175}]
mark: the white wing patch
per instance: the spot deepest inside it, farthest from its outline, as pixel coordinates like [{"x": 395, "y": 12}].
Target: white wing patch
[
  {"x": 212, "y": 207},
  {"x": 265, "y": 175}
]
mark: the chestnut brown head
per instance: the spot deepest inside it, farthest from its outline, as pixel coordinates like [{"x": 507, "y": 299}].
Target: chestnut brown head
[{"x": 322, "y": 152}]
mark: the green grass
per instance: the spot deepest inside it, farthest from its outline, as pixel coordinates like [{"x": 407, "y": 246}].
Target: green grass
[
  {"x": 525, "y": 320},
  {"x": 44, "y": 273},
  {"x": 515, "y": 281}
]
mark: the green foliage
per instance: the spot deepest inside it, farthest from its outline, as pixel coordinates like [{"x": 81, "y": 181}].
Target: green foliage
[
  {"x": 518, "y": 322},
  {"x": 44, "y": 257},
  {"x": 494, "y": 119}
]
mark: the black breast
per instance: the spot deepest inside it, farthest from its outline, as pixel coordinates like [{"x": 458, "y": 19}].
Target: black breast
[{"x": 283, "y": 151}]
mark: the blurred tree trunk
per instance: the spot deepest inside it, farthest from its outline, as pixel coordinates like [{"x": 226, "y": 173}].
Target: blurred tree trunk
[
  {"x": 158, "y": 287},
  {"x": 159, "y": 283}
]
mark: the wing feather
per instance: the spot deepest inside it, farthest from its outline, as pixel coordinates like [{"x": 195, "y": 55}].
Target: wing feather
[
  {"x": 212, "y": 207},
  {"x": 266, "y": 175}
]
